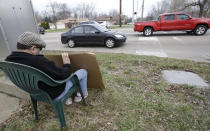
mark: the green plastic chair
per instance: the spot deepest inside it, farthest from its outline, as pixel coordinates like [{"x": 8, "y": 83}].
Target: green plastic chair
[{"x": 27, "y": 78}]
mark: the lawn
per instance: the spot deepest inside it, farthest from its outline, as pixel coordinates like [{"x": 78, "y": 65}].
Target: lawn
[
  {"x": 58, "y": 30},
  {"x": 1, "y": 73},
  {"x": 135, "y": 98},
  {"x": 118, "y": 26}
]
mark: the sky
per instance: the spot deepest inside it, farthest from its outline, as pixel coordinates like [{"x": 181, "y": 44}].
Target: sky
[{"x": 102, "y": 5}]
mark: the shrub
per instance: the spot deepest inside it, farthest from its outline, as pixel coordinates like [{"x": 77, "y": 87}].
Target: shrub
[{"x": 45, "y": 25}]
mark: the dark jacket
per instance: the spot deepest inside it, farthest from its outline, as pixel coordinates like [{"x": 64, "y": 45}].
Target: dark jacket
[{"x": 43, "y": 64}]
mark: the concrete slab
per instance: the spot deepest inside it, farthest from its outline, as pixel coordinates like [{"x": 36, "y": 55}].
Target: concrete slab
[
  {"x": 8, "y": 105},
  {"x": 7, "y": 87},
  {"x": 182, "y": 77}
]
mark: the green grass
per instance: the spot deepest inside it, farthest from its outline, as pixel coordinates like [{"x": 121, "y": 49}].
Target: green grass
[
  {"x": 1, "y": 73},
  {"x": 135, "y": 98},
  {"x": 123, "y": 26},
  {"x": 58, "y": 30}
]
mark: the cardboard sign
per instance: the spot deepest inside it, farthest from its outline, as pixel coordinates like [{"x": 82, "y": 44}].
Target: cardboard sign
[{"x": 83, "y": 61}]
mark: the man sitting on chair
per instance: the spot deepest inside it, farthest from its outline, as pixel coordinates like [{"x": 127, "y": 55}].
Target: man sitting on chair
[{"x": 29, "y": 46}]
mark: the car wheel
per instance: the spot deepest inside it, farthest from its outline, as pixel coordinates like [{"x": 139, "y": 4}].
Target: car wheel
[
  {"x": 200, "y": 30},
  {"x": 148, "y": 31},
  {"x": 71, "y": 43},
  {"x": 110, "y": 43}
]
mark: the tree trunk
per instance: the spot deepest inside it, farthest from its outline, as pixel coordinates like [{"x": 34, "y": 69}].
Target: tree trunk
[
  {"x": 207, "y": 13},
  {"x": 55, "y": 25},
  {"x": 201, "y": 10},
  {"x": 201, "y": 13}
]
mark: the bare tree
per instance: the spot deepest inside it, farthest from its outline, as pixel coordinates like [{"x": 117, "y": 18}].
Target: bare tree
[
  {"x": 201, "y": 5},
  {"x": 208, "y": 13},
  {"x": 176, "y": 5},
  {"x": 161, "y": 7},
  {"x": 53, "y": 9},
  {"x": 38, "y": 17},
  {"x": 85, "y": 10},
  {"x": 46, "y": 16},
  {"x": 193, "y": 7},
  {"x": 207, "y": 9},
  {"x": 114, "y": 13},
  {"x": 64, "y": 11}
]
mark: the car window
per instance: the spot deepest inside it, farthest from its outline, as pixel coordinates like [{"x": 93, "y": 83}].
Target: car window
[
  {"x": 89, "y": 29},
  {"x": 77, "y": 30},
  {"x": 169, "y": 17},
  {"x": 159, "y": 18},
  {"x": 100, "y": 28},
  {"x": 183, "y": 17}
]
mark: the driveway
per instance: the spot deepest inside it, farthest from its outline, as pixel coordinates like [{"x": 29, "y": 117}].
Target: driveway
[{"x": 163, "y": 44}]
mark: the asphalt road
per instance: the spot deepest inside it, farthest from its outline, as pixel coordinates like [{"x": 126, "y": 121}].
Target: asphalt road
[{"x": 163, "y": 44}]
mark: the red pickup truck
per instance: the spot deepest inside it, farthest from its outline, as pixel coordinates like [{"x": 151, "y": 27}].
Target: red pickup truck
[{"x": 174, "y": 21}]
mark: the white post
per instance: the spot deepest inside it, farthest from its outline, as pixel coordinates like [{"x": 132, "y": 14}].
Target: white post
[
  {"x": 142, "y": 12},
  {"x": 133, "y": 13}
]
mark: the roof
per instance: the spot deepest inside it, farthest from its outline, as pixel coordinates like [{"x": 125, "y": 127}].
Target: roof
[
  {"x": 72, "y": 20},
  {"x": 174, "y": 13}
]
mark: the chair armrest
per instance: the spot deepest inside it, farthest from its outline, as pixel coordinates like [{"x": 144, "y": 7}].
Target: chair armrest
[{"x": 62, "y": 81}]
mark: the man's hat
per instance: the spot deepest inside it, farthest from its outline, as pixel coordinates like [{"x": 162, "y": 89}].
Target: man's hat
[{"x": 29, "y": 39}]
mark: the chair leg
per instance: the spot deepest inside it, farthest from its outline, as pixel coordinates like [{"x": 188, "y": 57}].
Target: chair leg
[
  {"x": 59, "y": 109},
  {"x": 82, "y": 95},
  {"x": 34, "y": 102}
]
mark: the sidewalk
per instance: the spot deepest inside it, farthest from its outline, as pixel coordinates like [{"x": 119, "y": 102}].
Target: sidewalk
[{"x": 9, "y": 98}]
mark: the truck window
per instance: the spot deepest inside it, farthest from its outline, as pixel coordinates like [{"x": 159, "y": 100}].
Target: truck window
[
  {"x": 169, "y": 17},
  {"x": 183, "y": 17}
]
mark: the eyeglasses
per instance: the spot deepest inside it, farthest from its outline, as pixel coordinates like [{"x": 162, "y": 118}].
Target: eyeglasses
[{"x": 40, "y": 48}]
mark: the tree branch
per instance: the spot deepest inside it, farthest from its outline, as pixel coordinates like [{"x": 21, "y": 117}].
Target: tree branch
[{"x": 191, "y": 4}]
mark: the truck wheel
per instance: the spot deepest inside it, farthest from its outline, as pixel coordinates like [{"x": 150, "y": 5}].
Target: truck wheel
[
  {"x": 148, "y": 31},
  {"x": 200, "y": 30},
  {"x": 71, "y": 43}
]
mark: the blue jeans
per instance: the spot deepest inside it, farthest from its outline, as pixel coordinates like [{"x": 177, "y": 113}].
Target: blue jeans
[{"x": 82, "y": 76}]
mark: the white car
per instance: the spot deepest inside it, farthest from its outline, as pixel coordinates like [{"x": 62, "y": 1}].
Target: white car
[{"x": 104, "y": 24}]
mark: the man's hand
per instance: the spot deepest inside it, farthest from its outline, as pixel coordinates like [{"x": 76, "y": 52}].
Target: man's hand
[{"x": 65, "y": 57}]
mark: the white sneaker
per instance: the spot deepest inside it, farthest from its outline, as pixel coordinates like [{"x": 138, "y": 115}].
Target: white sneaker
[
  {"x": 78, "y": 98},
  {"x": 84, "y": 93},
  {"x": 68, "y": 101}
]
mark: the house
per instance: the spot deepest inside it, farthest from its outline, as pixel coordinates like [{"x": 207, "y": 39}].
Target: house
[
  {"x": 113, "y": 20},
  {"x": 67, "y": 23},
  {"x": 59, "y": 24},
  {"x": 105, "y": 18}
]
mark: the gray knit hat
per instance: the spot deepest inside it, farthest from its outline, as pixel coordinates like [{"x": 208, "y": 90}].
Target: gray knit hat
[{"x": 29, "y": 39}]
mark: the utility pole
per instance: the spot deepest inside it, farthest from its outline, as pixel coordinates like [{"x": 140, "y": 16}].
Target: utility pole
[
  {"x": 133, "y": 13},
  {"x": 120, "y": 12},
  {"x": 142, "y": 12}
]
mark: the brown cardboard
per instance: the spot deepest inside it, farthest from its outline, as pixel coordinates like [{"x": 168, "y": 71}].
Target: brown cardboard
[{"x": 83, "y": 61}]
